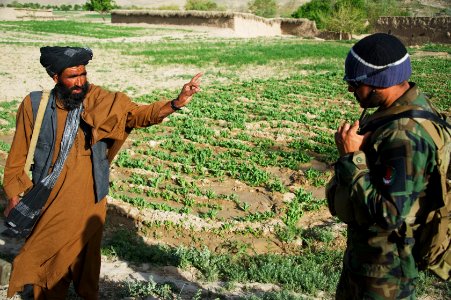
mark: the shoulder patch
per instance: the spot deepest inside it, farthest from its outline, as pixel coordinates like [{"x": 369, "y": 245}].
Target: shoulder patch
[
  {"x": 389, "y": 175},
  {"x": 394, "y": 175}
]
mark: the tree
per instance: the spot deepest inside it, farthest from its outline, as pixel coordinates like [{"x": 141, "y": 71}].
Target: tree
[
  {"x": 201, "y": 5},
  {"x": 101, "y": 6},
  {"x": 331, "y": 14},
  {"x": 345, "y": 19},
  {"x": 315, "y": 10},
  {"x": 263, "y": 8}
]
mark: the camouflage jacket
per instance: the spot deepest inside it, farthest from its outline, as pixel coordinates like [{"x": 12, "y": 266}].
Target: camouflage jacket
[{"x": 388, "y": 185}]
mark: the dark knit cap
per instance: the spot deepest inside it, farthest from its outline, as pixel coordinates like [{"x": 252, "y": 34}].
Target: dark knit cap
[
  {"x": 379, "y": 60},
  {"x": 56, "y": 59}
]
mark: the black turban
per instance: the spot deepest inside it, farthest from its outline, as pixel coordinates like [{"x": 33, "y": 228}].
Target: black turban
[{"x": 56, "y": 59}]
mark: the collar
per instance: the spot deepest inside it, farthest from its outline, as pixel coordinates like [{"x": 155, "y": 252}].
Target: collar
[{"x": 409, "y": 96}]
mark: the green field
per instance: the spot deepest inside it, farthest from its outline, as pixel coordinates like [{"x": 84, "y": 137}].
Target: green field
[{"x": 244, "y": 167}]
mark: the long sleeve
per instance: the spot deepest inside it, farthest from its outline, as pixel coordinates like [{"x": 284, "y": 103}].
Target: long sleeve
[
  {"x": 400, "y": 168},
  {"x": 111, "y": 115},
  {"x": 141, "y": 116},
  {"x": 15, "y": 179},
  {"x": 138, "y": 116}
]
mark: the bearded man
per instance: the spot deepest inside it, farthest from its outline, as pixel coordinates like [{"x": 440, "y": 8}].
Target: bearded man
[{"x": 83, "y": 128}]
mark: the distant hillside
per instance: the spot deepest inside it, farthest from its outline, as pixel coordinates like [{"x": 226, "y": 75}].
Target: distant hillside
[{"x": 416, "y": 7}]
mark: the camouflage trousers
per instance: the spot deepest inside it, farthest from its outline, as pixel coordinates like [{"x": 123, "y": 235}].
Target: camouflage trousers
[{"x": 353, "y": 286}]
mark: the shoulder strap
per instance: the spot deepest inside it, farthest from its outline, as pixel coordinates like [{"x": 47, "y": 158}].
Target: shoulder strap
[
  {"x": 422, "y": 114},
  {"x": 38, "y": 116},
  {"x": 35, "y": 97}
]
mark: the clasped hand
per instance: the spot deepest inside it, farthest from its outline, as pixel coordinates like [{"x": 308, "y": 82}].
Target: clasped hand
[{"x": 348, "y": 140}]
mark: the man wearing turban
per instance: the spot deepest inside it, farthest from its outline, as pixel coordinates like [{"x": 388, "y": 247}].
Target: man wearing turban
[{"x": 83, "y": 128}]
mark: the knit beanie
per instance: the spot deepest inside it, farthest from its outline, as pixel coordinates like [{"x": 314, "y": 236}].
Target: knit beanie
[{"x": 379, "y": 60}]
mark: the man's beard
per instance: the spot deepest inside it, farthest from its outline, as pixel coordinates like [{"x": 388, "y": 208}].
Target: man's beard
[
  {"x": 71, "y": 101},
  {"x": 370, "y": 101}
]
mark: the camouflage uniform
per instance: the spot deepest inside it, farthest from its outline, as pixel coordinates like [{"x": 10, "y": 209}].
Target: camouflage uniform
[{"x": 382, "y": 189}]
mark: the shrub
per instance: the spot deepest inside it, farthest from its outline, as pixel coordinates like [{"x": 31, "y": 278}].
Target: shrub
[
  {"x": 201, "y": 5},
  {"x": 263, "y": 8},
  {"x": 327, "y": 11},
  {"x": 314, "y": 10},
  {"x": 65, "y": 7},
  {"x": 346, "y": 18},
  {"x": 101, "y": 6}
]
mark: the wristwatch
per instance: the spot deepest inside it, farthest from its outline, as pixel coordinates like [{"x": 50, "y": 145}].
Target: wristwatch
[{"x": 173, "y": 106}]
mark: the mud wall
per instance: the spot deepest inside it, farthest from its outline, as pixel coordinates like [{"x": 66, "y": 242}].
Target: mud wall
[
  {"x": 417, "y": 30},
  {"x": 298, "y": 27},
  {"x": 332, "y": 35},
  {"x": 7, "y": 13},
  {"x": 244, "y": 25},
  {"x": 194, "y": 18}
]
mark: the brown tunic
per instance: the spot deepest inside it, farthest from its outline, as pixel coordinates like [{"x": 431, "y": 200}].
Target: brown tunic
[{"x": 70, "y": 217}]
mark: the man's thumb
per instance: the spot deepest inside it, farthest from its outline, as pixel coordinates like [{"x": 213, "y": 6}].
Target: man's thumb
[{"x": 354, "y": 126}]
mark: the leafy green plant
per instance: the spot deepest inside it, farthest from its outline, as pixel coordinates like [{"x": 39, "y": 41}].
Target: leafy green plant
[
  {"x": 316, "y": 178},
  {"x": 318, "y": 234},
  {"x": 151, "y": 288},
  {"x": 244, "y": 206},
  {"x": 306, "y": 272},
  {"x": 303, "y": 201},
  {"x": 256, "y": 217},
  {"x": 276, "y": 185}
]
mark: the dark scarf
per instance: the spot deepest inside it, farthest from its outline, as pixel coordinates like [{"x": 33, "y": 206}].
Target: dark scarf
[{"x": 23, "y": 217}]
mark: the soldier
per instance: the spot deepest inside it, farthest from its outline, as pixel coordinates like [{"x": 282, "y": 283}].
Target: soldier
[{"x": 384, "y": 180}]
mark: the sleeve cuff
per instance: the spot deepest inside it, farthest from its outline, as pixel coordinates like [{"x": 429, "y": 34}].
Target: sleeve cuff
[
  {"x": 16, "y": 187},
  {"x": 155, "y": 111}
]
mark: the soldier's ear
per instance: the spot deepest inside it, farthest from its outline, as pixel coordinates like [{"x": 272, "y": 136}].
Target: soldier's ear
[{"x": 55, "y": 78}]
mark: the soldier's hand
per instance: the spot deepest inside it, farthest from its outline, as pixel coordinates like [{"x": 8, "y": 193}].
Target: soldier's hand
[
  {"x": 188, "y": 90},
  {"x": 348, "y": 140},
  {"x": 11, "y": 204}
]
